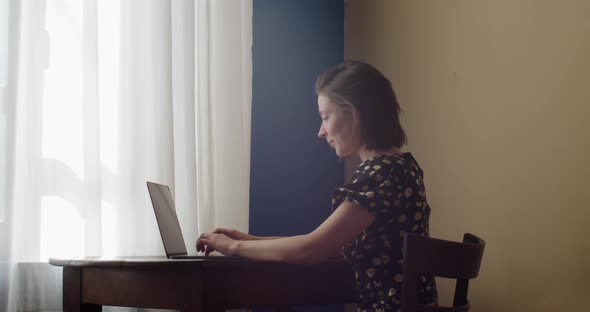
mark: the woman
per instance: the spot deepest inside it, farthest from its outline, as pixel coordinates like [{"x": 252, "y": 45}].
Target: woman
[{"x": 360, "y": 116}]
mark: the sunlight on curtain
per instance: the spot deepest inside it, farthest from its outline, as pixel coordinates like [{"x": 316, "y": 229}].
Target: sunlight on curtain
[
  {"x": 56, "y": 240},
  {"x": 104, "y": 100},
  {"x": 110, "y": 229},
  {"x": 108, "y": 29},
  {"x": 63, "y": 99},
  {"x": 109, "y": 35}
]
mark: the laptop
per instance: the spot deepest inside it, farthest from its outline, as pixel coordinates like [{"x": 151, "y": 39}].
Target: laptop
[{"x": 169, "y": 226}]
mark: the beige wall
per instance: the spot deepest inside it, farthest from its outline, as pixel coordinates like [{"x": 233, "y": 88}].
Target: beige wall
[{"x": 497, "y": 110}]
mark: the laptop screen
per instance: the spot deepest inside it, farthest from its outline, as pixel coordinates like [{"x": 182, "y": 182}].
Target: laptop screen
[{"x": 167, "y": 220}]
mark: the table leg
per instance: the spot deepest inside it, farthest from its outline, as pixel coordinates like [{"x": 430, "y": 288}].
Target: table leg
[
  {"x": 88, "y": 307},
  {"x": 72, "y": 287},
  {"x": 72, "y": 292}
]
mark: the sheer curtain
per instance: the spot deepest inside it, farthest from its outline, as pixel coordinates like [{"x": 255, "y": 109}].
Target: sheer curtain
[{"x": 101, "y": 96}]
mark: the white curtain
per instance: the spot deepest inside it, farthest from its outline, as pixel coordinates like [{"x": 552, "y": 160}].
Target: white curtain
[{"x": 102, "y": 96}]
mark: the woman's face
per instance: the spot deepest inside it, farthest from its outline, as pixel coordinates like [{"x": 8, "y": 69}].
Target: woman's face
[{"x": 337, "y": 127}]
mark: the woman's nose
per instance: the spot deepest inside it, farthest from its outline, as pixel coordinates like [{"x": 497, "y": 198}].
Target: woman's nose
[{"x": 322, "y": 133}]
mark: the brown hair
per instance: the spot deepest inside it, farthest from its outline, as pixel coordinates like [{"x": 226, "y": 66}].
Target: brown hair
[{"x": 362, "y": 89}]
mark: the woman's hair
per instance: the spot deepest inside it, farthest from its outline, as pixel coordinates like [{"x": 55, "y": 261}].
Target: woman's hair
[{"x": 363, "y": 90}]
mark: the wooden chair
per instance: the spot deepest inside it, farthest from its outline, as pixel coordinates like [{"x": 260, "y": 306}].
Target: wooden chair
[{"x": 436, "y": 257}]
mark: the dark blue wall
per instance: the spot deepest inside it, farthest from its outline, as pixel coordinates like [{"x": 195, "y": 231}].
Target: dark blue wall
[{"x": 293, "y": 172}]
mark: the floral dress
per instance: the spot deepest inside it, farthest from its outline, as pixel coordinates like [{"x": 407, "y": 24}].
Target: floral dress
[{"x": 391, "y": 187}]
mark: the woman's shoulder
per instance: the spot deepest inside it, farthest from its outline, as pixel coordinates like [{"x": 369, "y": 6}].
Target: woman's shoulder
[
  {"x": 389, "y": 164},
  {"x": 376, "y": 180}
]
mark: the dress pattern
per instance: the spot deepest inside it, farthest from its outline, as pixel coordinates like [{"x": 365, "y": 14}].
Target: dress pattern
[{"x": 392, "y": 188}]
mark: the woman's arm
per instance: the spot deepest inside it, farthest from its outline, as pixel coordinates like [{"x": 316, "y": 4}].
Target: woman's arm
[
  {"x": 253, "y": 237},
  {"x": 237, "y": 235},
  {"x": 342, "y": 226}
]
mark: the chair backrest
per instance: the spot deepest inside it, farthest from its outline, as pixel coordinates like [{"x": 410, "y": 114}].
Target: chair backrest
[{"x": 436, "y": 257}]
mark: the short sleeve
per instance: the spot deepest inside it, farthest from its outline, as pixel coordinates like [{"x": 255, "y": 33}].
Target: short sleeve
[{"x": 372, "y": 187}]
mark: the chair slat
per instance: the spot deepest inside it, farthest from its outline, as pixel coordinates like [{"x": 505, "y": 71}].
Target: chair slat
[{"x": 436, "y": 257}]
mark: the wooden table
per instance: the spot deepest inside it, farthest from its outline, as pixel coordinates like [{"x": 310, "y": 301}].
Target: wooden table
[{"x": 200, "y": 285}]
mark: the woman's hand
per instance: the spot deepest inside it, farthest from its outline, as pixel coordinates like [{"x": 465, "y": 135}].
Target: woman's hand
[
  {"x": 234, "y": 234},
  {"x": 209, "y": 242}
]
